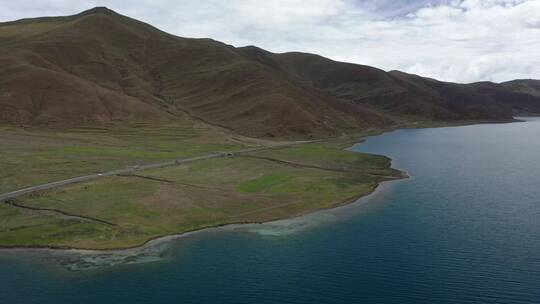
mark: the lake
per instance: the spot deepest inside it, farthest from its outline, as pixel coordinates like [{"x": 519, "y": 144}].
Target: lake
[{"x": 465, "y": 228}]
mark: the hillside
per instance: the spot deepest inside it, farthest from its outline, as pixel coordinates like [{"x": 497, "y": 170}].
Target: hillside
[
  {"x": 399, "y": 94},
  {"x": 526, "y": 86},
  {"x": 101, "y": 67}
]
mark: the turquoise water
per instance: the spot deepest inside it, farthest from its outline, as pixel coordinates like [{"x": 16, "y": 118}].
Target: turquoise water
[{"x": 465, "y": 228}]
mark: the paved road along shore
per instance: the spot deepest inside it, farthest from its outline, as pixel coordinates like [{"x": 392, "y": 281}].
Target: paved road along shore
[{"x": 11, "y": 195}]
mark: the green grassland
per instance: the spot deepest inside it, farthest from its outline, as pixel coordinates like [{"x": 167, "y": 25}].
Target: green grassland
[
  {"x": 125, "y": 211},
  {"x": 29, "y": 157}
]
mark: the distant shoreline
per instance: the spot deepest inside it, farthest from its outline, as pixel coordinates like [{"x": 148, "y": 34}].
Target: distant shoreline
[{"x": 166, "y": 237}]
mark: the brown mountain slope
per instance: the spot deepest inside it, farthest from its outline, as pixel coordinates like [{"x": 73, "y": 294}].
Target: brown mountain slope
[
  {"x": 64, "y": 70},
  {"x": 478, "y": 100},
  {"x": 70, "y": 69},
  {"x": 360, "y": 84},
  {"x": 99, "y": 66},
  {"x": 525, "y": 86},
  {"x": 399, "y": 93}
]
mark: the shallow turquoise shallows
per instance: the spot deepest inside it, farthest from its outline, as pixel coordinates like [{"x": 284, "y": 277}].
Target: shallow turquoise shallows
[{"x": 464, "y": 229}]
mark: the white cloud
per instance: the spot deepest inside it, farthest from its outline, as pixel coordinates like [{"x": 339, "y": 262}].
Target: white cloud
[{"x": 452, "y": 40}]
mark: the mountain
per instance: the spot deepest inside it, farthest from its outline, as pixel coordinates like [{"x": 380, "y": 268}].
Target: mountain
[
  {"x": 399, "y": 94},
  {"x": 99, "y": 66},
  {"x": 525, "y": 86}
]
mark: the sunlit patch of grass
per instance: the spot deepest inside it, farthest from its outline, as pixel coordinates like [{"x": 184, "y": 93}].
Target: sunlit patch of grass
[{"x": 263, "y": 183}]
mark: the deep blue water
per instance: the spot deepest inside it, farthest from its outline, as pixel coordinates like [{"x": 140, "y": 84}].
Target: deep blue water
[{"x": 464, "y": 229}]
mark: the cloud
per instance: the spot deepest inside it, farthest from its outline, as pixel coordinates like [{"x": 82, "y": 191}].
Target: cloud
[{"x": 463, "y": 41}]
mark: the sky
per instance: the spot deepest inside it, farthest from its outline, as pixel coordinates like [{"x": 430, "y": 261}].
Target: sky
[{"x": 452, "y": 40}]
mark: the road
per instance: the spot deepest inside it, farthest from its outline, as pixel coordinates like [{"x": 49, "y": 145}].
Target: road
[{"x": 11, "y": 195}]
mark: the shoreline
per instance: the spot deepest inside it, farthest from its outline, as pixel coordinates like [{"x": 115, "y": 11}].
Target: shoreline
[
  {"x": 404, "y": 175},
  {"x": 166, "y": 237},
  {"x": 158, "y": 240},
  {"x": 346, "y": 202}
]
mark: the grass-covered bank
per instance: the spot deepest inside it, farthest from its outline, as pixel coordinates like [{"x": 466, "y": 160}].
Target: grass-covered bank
[{"x": 256, "y": 187}]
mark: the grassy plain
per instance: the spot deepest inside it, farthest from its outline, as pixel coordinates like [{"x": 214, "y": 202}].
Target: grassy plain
[
  {"x": 125, "y": 211},
  {"x": 32, "y": 156}
]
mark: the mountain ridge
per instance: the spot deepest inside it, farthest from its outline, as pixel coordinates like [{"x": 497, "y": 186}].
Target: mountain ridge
[{"x": 99, "y": 66}]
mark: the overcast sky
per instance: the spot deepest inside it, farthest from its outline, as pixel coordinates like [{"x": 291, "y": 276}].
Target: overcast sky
[{"x": 451, "y": 40}]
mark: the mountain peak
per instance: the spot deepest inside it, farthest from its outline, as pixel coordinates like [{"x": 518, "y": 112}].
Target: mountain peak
[{"x": 98, "y": 10}]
